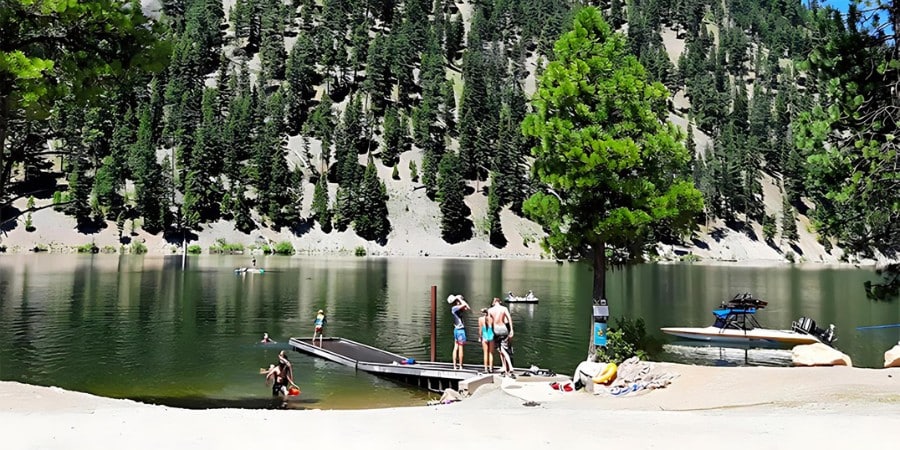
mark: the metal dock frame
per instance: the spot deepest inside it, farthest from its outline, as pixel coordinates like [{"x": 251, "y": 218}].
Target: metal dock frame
[{"x": 434, "y": 376}]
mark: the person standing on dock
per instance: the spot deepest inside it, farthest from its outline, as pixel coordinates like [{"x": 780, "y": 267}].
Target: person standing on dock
[
  {"x": 457, "y": 306},
  {"x": 320, "y": 322},
  {"x": 503, "y": 332},
  {"x": 486, "y": 327}
]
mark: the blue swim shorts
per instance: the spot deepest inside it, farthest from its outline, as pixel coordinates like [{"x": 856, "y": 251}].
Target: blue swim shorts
[{"x": 459, "y": 334}]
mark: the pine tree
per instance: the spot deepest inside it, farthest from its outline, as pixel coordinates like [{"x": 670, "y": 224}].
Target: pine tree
[
  {"x": 372, "y": 221},
  {"x": 788, "y": 222},
  {"x": 320, "y": 208},
  {"x": 79, "y": 189},
  {"x": 413, "y": 172},
  {"x": 300, "y": 76},
  {"x": 455, "y": 226},
  {"x": 391, "y": 138},
  {"x": 495, "y": 228}
]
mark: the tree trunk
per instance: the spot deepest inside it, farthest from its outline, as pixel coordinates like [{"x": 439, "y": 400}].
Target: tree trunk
[{"x": 599, "y": 289}]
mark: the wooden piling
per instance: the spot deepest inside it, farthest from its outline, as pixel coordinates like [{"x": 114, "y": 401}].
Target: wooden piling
[{"x": 433, "y": 321}]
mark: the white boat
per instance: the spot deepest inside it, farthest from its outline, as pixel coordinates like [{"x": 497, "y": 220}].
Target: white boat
[
  {"x": 735, "y": 323},
  {"x": 528, "y": 298},
  {"x": 716, "y": 334}
]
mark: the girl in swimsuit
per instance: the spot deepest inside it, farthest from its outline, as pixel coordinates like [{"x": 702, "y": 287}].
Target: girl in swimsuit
[{"x": 486, "y": 325}]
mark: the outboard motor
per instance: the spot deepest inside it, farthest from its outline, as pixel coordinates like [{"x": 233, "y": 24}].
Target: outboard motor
[{"x": 808, "y": 326}]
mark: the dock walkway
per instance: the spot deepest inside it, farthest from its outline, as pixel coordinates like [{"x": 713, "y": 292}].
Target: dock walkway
[{"x": 434, "y": 376}]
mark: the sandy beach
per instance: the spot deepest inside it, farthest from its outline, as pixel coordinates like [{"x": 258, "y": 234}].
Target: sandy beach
[{"x": 705, "y": 407}]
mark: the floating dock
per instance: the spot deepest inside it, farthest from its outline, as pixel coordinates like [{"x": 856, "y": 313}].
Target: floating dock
[{"x": 434, "y": 376}]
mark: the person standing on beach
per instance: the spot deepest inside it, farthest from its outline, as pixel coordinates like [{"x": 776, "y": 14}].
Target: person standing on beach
[
  {"x": 457, "y": 306},
  {"x": 486, "y": 327},
  {"x": 503, "y": 332}
]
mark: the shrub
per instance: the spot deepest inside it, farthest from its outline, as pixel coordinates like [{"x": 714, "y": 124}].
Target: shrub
[
  {"x": 690, "y": 257},
  {"x": 138, "y": 248},
  {"x": 628, "y": 338},
  {"x": 109, "y": 249},
  {"x": 360, "y": 251},
  {"x": 396, "y": 173},
  {"x": 284, "y": 248},
  {"x": 789, "y": 255},
  {"x": 194, "y": 249},
  {"x": 87, "y": 248},
  {"x": 29, "y": 227}
]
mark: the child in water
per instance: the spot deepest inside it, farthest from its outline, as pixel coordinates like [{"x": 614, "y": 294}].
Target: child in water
[{"x": 320, "y": 322}]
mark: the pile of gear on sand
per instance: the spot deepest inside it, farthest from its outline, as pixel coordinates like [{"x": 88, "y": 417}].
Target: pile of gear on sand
[{"x": 631, "y": 377}]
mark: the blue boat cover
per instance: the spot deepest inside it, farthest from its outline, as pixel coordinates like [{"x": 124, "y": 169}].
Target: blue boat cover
[{"x": 724, "y": 312}]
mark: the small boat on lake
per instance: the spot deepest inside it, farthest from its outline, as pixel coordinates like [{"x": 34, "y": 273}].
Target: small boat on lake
[
  {"x": 243, "y": 270},
  {"x": 735, "y": 323},
  {"x": 528, "y": 298}
]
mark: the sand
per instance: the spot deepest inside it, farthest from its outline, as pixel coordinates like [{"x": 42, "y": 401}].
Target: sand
[{"x": 706, "y": 407}]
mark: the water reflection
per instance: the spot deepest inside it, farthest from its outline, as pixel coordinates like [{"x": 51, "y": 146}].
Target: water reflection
[
  {"x": 705, "y": 354},
  {"x": 144, "y": 327}
]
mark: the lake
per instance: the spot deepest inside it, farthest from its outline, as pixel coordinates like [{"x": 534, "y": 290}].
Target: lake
[{"x": 185, "y": 331}]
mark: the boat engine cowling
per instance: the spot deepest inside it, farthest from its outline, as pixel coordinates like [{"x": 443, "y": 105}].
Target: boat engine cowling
[{"x": 808, "y": 326}]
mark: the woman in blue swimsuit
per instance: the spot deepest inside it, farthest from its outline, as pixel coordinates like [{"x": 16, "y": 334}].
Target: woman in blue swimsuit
[{"x": 486, "y": 325}]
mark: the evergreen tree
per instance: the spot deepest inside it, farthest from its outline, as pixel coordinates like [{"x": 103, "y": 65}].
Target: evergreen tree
[
  {"x": 372, "y": 222},
  {"x": 455, "y": 225},
  {"x": 392, "y": 137},
  {"x": 600, "y": 190},
  {"x": 495, "y": 228},
  {"x": 788, "y": 222},
  {"x": 320, "y": 207}
]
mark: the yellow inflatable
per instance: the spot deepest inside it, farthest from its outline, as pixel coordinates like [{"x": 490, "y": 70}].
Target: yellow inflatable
[{"x": 607, "y": 375}]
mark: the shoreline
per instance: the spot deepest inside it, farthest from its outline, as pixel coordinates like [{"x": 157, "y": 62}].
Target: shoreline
[
  {"x": 749, "y": 407},
  {"x": 412, "y": 236}
]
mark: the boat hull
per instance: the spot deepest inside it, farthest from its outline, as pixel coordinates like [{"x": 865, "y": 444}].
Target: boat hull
[{"x": 713, "y": 334}]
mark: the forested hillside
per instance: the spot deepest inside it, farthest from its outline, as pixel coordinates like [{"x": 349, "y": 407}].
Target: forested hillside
[{"x": 335, "y": 115}]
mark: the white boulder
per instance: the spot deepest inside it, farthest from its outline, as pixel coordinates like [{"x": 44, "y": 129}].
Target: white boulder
[
  {"x": 892, "y": 356},
  {"x": 819, "y": 354}
]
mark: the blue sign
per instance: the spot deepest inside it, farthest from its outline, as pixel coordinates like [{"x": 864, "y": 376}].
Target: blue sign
[{"x": 600, "y": 334}]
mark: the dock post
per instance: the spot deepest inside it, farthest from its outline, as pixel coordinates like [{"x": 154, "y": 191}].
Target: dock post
[{"x": 433, "y": 320}]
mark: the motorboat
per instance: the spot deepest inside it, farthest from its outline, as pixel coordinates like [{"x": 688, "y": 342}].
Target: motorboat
[
  {"x": 735, "y": 323},
  {"x": 528, "y": 298}
]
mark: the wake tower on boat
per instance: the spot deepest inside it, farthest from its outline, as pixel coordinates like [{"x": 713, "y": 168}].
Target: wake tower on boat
[{"x": 735, "y": 322}]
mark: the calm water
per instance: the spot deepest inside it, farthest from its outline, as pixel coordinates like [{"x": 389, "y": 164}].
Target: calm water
[{"x": 144, "y": 328}]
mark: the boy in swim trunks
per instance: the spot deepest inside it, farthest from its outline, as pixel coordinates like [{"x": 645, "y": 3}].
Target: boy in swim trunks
[
  {"x": 503, "y": 332},
  {"x": 457, "y": 306}
]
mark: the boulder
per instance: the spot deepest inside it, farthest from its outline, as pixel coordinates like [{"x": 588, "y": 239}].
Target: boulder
[
  {"x": 819, "y": 354},
  {"x": 892, "y": 356}
]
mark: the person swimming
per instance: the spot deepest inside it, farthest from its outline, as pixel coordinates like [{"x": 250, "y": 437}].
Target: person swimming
[{"x": 266, "y": 339}]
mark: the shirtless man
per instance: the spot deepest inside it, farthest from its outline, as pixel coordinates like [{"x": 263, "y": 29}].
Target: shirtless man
[{"x": 503, "y": 332}]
